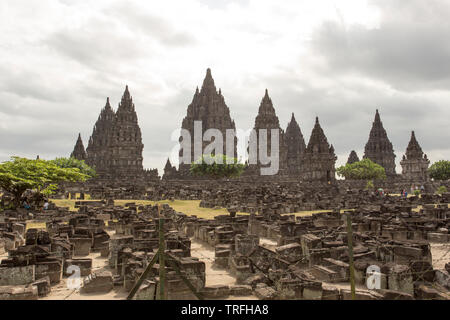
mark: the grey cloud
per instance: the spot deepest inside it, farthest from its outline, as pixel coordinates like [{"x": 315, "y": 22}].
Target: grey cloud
[
  {"x": 410, "y": 49},
  {"x": 152, "y": 26}
]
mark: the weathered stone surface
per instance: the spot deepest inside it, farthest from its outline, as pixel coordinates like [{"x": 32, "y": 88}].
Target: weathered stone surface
[
  {"x": 379, "y": 148},
  {"x": 98, "y": 282},
  {"x": 415, "y": 163},
  {"x": 318, "y": 160},
  {"x": 17, "y": 275},
  {"x": 18, "y": 293},
  {"x": 265, "y": 293}
]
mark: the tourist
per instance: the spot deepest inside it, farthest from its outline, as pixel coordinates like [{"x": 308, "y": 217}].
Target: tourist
[
  {"x": 25, "y": 204},
  {"x": 46, "y": 204},
  {"x": 422, "y": 189}
]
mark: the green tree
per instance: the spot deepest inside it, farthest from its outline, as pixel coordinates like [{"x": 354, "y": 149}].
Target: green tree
[
  {"x": 75, "y": 163},
  {"x": 217, "y": 167},
  {"x": 21, "y": 174},
  {"x": 441, "y": 190},
  {"x": 440, "y": 170},
  {"x": 365, "y": 169}
]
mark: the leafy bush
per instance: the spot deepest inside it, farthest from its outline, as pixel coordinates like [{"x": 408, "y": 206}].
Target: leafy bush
[
  {"x": 441, "y": 190},
  {"x": 217, "y": 167},
  {"x": 440, "y": 170},
  {"x": 363, "y": 170}
]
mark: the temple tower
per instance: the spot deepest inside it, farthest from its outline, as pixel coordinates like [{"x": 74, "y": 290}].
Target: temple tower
[
  {"x": 318, "y": 160},
  {"x": 415, "y": 163},
  {"x": 125, "y": 141},
  {"x": 97, "y": 150},
  {"x": 208, "y": 106},
  {"x": 170, "y": 172},
  {"x": 353, "y": 157},
  {"x": 379, "y": 149},
  {"x": 295, "y": 147},
  {"x": 78, "y": 151},
  {"x": 268, "y": 120}
]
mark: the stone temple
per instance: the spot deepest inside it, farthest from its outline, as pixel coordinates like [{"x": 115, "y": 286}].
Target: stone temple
[
  {"x": 379, "y": 148},
  {"x": 97, "y": 149},
  {"x": 209, "y": 107},
  {"x": 125, "y": 140},
  {"x": 318, "y": 160},
  {"x": 415, "y": 163},
  {"x": 295, "y": 147},
  {"x": 353, "y": 157},
  {"x": 115, "y": 146},
  {"x": 78, "y": 151},
  {"x": 268, "y": 120}
]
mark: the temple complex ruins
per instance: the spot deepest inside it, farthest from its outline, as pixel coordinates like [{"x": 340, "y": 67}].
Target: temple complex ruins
[
  {"x": 115, "y": 146},
  {"x": 297, "y": 235}
]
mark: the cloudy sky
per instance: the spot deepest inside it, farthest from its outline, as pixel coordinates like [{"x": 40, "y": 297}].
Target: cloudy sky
[{"x": 337, "y": 59}]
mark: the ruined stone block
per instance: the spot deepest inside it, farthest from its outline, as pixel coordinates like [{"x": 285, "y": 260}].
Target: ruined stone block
[
  {"x": 85, "y": 266},
  {"x": 146, "y": 291},
  {"x": 43, "y": 285},
  {"x": 240, "y": 290},
  {"x": 312, "y": 290},
  {"x": 52, "y": 269},
  {"x": 18, "y": 293},
  {"x": 437, "y": 237},
  {"x": 82, "y": 246},
  {"x": 216, "y": 292},
  {"x": 14, "y": 276},
  {"x": 265, "y": 293},
  {"x": 291, "y": 252},
  {"x": 330, "y": 293},
  {"x": 98, "y": 282}
]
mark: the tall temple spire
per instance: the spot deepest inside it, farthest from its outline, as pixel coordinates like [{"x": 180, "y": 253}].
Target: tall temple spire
[
  {"x": 98, "y": 142},
  {"x": 266, "y": 108},
  {"x": 125, "y": 140},
  {"x": 208, "y": 106},
  {"x": 78, "y": 151},
  {"x": 268, "y": 120},
  {"x": 295, "y": 146},
  {"x": 379, "y": 148},
  {"x": 318, "y": 160},
  {"x": 208, "y": 83},
  {"x": 353, "y": 157},
  {"x": 415, "y": 163}
]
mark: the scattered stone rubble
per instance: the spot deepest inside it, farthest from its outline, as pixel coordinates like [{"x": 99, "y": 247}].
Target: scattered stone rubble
[{"x": 272, "y": 253}]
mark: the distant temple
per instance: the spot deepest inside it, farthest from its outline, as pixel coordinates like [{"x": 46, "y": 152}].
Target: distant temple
[
  {"x": 318, "y": 160},
  {"x": 379, "y": 148},
  {"x": 268, "y": 120},
  {"x": 208, "y": 106},
  {"x": 415, "y": 163},
  {"x": 78, "y": 151},
  {"x": 296, "y": 146},
  {"x": 115, "y": 146},
  {"x": 353, "y": 157}
]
